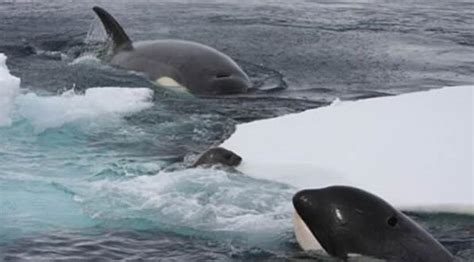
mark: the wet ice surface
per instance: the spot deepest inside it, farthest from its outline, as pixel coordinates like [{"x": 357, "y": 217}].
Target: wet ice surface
[{"x": 114, "y": 186}]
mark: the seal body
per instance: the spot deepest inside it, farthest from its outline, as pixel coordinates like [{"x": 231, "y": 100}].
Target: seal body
[{"x": 218, "y": 155}]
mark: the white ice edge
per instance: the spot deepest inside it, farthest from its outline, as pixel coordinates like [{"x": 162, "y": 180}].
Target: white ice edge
[
  {"x": 54, "y": 111},
  {"x": 413, "y": 150}
]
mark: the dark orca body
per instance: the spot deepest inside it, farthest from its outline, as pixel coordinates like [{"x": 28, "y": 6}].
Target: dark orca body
[
  {"x": 175, "y": 64},
  {"x": 346, "y": 220}
]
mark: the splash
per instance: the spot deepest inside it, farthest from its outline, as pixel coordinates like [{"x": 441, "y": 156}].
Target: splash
[
  {"x": 208, "y": 200},
  {"x": 9, "y": 90}
]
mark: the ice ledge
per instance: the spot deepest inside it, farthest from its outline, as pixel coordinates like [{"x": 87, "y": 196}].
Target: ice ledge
[{"x": 414, "y": 150}]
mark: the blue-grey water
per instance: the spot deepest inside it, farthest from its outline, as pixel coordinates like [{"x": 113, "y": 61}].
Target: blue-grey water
[{"x": 117, "y": 187}]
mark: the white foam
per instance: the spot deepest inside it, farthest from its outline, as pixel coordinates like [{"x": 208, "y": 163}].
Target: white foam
[
  {"x": 414, "y": 150},
  {"x": 202, "y": 199},
  {"x": 9, "y": 89}
]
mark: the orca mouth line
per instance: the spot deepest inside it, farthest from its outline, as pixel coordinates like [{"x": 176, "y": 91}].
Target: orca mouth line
[{"x": 223, "y": 75}]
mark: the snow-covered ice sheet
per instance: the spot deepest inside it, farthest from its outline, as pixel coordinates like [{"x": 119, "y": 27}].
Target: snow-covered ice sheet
[{"x": 413, "y": 150}]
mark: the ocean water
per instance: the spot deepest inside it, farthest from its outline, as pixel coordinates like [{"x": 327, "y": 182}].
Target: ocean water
[{"x": 89, "y": 171}]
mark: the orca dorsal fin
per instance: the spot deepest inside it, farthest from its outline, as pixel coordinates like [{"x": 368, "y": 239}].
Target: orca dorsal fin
[{"x": 114, "y": 30}]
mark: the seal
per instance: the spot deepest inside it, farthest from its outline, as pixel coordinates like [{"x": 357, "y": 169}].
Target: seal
[
  {"x": 218, "y": 155},
  {"x": 175, "y": 64},
  {"x": 347, "y": 221}
]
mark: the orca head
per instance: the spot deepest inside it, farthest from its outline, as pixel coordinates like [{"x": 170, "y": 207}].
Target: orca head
[
  {"x": 348, "y": 221},
  {"x": 214, "y": 73}
]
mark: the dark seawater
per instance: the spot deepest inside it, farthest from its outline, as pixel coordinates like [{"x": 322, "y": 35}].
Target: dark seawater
[{"x": 117, "y": 189}]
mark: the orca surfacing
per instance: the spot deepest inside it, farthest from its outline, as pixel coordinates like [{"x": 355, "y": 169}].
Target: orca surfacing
[{"x": 175, "y": 64}]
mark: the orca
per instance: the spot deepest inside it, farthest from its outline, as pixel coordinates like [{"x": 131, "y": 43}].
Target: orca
[
  {"x": 346, "y": 221},
  {"x": 175, "y": 64}
]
